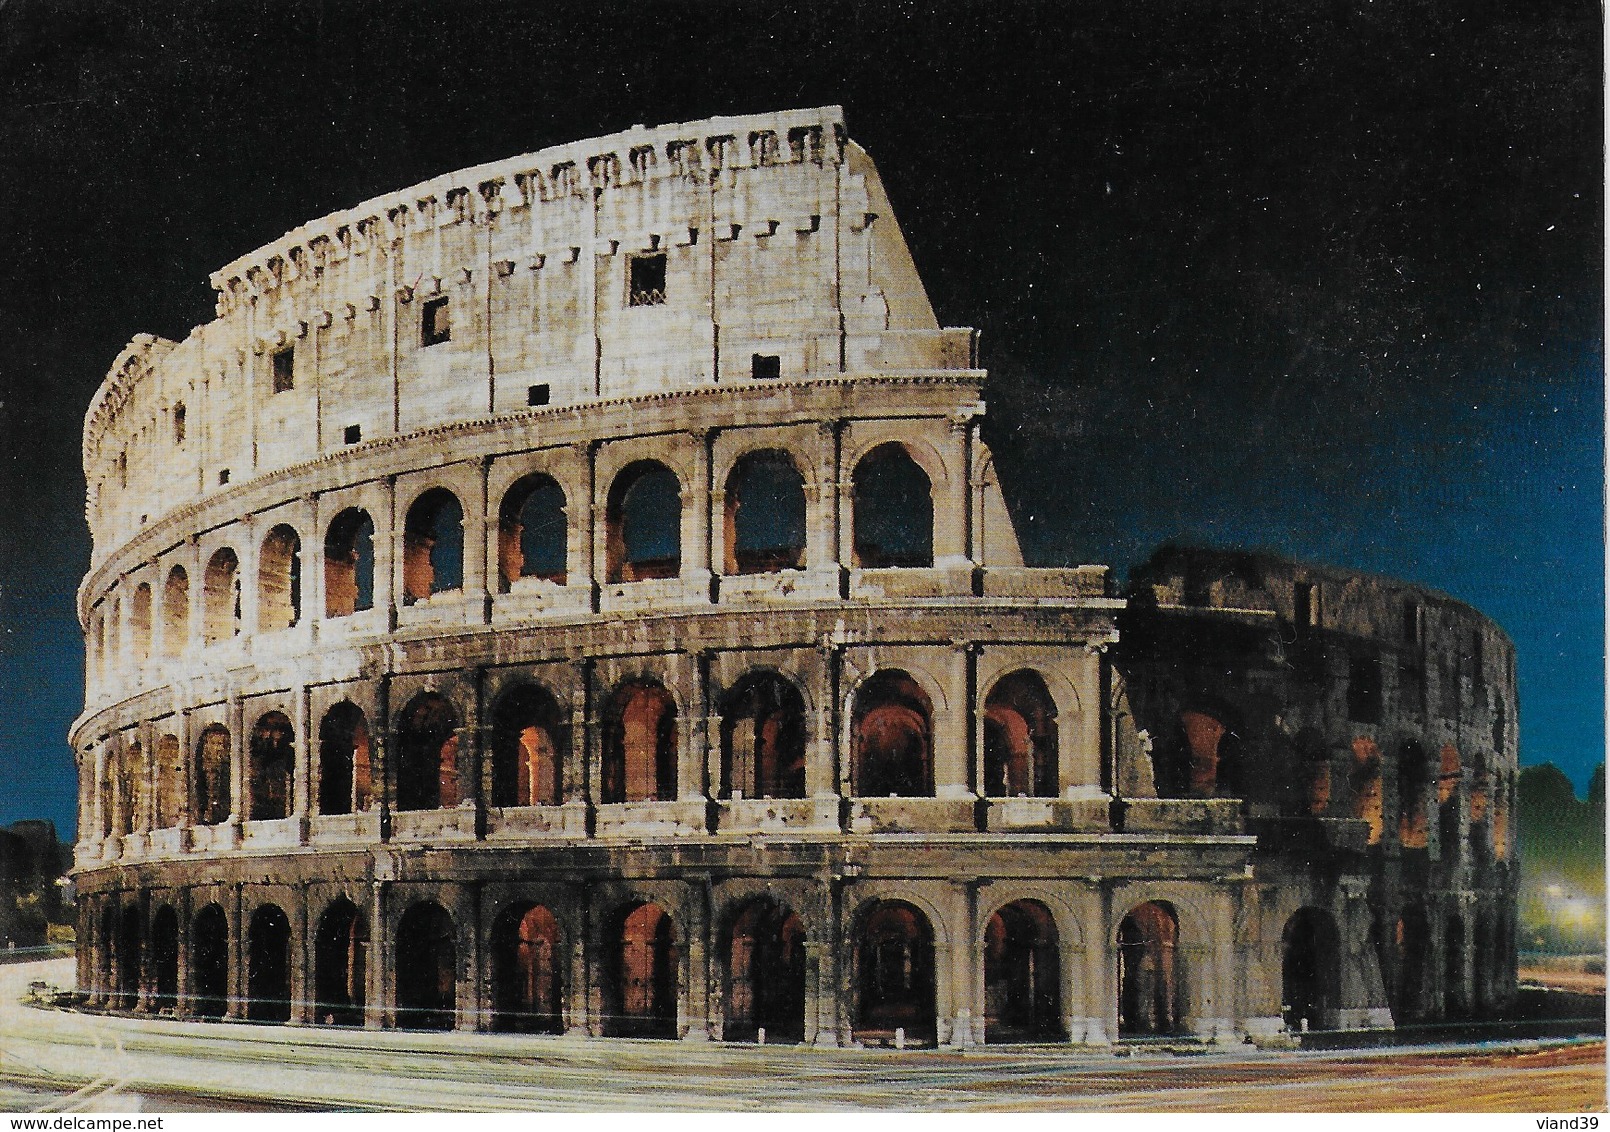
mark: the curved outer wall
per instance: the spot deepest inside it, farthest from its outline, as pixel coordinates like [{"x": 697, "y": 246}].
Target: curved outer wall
[{"x": 572, "y": 595}]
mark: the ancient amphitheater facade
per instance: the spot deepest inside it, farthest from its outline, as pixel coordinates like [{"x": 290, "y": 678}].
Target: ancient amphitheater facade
[{"x": 573, "y": 596}]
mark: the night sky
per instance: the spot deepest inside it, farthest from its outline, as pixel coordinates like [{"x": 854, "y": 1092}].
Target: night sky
[{"x": 1318, "y": 278}]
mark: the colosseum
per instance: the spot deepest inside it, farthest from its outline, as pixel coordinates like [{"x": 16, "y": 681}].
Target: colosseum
[{"x": 572, "y": 596}]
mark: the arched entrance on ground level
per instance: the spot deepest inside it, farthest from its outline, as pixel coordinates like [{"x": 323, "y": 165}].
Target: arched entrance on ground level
[
  {"x": 340, "y": 965},
  {"x": 640, "y": 976},
  {"x": 1454, "y": 1003},
  {"x": 165, "y": 960},
  {"x": 1022, "y": 975},
  {"x": 526, "y": 985},
  {"x": 765, "y": 974},
  {"x": 1148, "y": 971},
  {"x": 1414, "y": 958},
  {"x": 427, "y": 969},
  {"x": 209, "y": 962},
  {"x": 1310, "y": 977},
  {"x": 268, "y": 966},
  {"x": 894, "y": 973},
  {"x": 128, "y": 949}
]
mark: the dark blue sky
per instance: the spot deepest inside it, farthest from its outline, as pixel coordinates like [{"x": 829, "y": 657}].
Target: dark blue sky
[{"x": 1323, "y": 278}]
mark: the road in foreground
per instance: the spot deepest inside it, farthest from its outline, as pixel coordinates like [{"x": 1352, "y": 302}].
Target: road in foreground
[{"x": 164, "y": 1066}]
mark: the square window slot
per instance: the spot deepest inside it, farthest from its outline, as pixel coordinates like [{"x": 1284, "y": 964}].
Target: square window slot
[
  {"x": 352, "y": 434},
  {"x": 647, "y": 280},
  {"x": 284, "y": 369},
  {"x": 536, "y": 394},
  {"x": 765, "y": 367},
  {"x": 436, "y": 322}
]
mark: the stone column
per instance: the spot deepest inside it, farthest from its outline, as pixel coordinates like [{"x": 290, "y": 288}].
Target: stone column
[
  {"x": 967, "y": 969},
  {"x": 1079, "y": 735},
  {"x": 951, "y": 731},
  {"x": 693, "y": 1005},
  {"x": 581, "y": 1022},
  {"x": 235, "y": 1001},
  {"x": 235, "y": 715},
  {"x": 378, "y": 1009},
  {"x": 696, "y": 524},
  {"x": 301, "y": 959},
  {"x": 184, "y": 999},
  {"x": 302, "y": 772}
]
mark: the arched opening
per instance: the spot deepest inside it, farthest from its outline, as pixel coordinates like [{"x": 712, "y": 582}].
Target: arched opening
[
  {"x": 220, "y": 597},
  {"x": 176, "y": 612},
  {"x": 1022, "y": 975},
  {"x": 894, "y": 973},
  {"x": 279, "y": 580},
  {"x": 532, "y": 532},
  {"x": 273, "y": 758},
  {"x": 891, "y": 738},
  {"x": 209, "y": 962},
  {"x": 170, "y": 782},
  {"x": 165, "y": 960},
  {"x": 1364, "y": 784},
  {"x": 340, "y": 965},
  {"x": 763, "y": 739},
  {"x": 1148, "y": 975},
  {"x": 427, "y": 754},
  {"x": 1310, "y": 971},
  {"x": 640, "y": 982},
  {"x": 894, "y": 510},
  {"x": 528, "y": 748},
  {"x": 640, "y": 744},
  {"x": 1200, "y": 757},
  {"x": 765, "y": 514},
  {"x": 427, "y": 969},
  {"x": 433, "y": 546},
  {"x": 765, "y": 974},
  {"x": 1414, "y": 776},
  {"x": 1454, "y": 1002},
  {"x": 1413, "y": 939},
  {"x": 526, "y": 984},
  {"x": 131, "y": 788},
  {"x": 345, "y": 786},
  {"x": 140, "y": 621},
  {"x": 643, "y": 524},
  {"x": 349, "y": 564},
  {"x": 213, "y": 796},
  {"x": 268, "y": 966},
  {"x": 128, "y": 952},
  {"x": 1020, "y": 738}
]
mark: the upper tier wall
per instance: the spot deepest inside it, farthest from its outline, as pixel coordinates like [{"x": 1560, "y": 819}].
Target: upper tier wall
[{"x": 736, "y": 249}]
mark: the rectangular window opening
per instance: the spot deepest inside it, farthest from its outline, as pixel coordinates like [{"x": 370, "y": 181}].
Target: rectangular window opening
[
  {"x": 1413, "y": 623},
  {"x": 352, "y": 434},
  {"x": 1305, "y": 605},
  {"x": 436, "y": 322},
  {"x": 178, "y": 424},
  {"x": 284, "y": 369},
  {"x": 765, "y": 367},
  {"x": 223, "y": 475},
  {"x": 647, "y": 281},
  {"x": 536, "y": 394}
]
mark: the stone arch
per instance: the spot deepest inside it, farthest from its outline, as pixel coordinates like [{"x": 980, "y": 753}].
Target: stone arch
[
  {"x": 427, "y": 754},
  {"x": 643, "y": 523},
  {"x": 763, "y": 738},
  {"x": 1020, "y": 737},
  {"x": 165, "y": 960},
  {"x": 527, "y": 972},
  {"x": 1310, "y": 970},
  {"x": 272, "y": 761},
  {"x": 169, "y": 756},
  {"x": 130, "y": 787},
  {"x": 209, "y": 962},
  {"x": 220, "y": 597},
  {"x": 426, "y": 968},
  {"x": 128, "y": 950},
  {"x": 268, "y": 965},
  {"x": 349, "y": 563},
  {"x": 214, "y": 794},
  {"x": 1414, "y": 777},
  {"x": 176, "y": 612},
  {"x": 764, "y": 515},
  {"x": 894, "y": 984},
  {"x": 1022, "y": 974},
  {"x": 640, "y": 973},
  {"x": 1150, "y": 998},
  {"x": 532, "y": 531},
  {"x": 279, "y": 579},
  {"x": 762, "y": 950},
  {"x": 640, "y": 743},
  {"x": 345, "y": 761},
  {"x": 340, "y": 964},
  {"x": 893, "y": 509},
  {"x": 433, "y": 545},
  {"x": 140, "y": 622},
  {"x": 891, "y": 746},
  {"x": 1201, "y": 756},
  {"x": 530, "y": 745}
]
